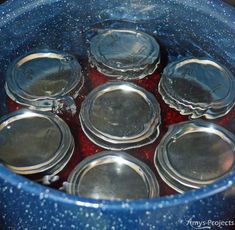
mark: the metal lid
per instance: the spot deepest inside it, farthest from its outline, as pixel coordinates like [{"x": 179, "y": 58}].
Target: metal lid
[
  {"x": 41, "y": 78},
  {"x": 195, "y": 153},
  {"x": 177, "y": 105},
  {"x": 34, "y": 142},
  {"x": 113, "y": 175},
  {"x": 124, "y": 54},
  {"x": 201, "y": 86},
  {"x": 120, "y": 113},
  {"x": 151, "y": 136}
]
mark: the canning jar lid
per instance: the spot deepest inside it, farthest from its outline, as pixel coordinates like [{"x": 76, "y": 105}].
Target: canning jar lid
[
  {"x": 149, "y": 138},
  {"x": 124, "y": 54},
  {"x": 41, "y": 79},
  {"x": 195, "y": 153},
  {"x": 113, "y": 175},
  {"x": 120, "y": 114},
  {"x": 35, "y": 142},
  {"x": 199, "y": 87}
]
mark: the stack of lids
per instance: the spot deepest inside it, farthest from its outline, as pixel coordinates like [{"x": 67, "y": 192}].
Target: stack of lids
[
  {"x": 35, "y": 143},
  {"x": 112, "y": 175},
  {"x": 198, "y": 87},
  {"x": 120, "y": 115},
  {"x": 194, "y": 154},
  {"x": 124, "y": 54},
  {"x": 44, "y": 80}
]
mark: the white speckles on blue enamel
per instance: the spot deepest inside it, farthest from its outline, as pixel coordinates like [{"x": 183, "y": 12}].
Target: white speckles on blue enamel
[{"x": 184, "y": 27}]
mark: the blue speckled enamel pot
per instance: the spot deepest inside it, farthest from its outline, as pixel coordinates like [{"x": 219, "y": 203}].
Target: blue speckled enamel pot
[{"x": 183, "y": 27}]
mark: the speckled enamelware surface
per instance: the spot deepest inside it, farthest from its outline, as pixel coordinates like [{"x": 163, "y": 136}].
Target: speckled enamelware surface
[{"x": 203, "y": 27}]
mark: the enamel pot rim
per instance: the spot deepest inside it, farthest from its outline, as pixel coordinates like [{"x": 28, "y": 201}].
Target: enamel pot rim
[{"x": 149, "y": 204}]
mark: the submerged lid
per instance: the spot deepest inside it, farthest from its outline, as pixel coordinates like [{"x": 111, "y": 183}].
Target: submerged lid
[
  {"x": 195, "y": 153},
  {"x": 120, "y": 113},
  {"x": 39, "y": 79},
  {"x": 34, "y": 142},
  {"x": 195, "y": 112},
  {"x": 124, "y": 54},
  {"x": 150, "y": 137},
  {"x": 201, "y": 86},
  {"x": 113, "y": 175}
]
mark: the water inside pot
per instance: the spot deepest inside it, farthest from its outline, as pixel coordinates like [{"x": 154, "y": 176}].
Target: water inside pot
[{"x": 70, "y": 34}]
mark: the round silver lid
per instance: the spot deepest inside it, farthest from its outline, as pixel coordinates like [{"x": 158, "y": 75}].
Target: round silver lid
[
  {"x": 124, "y": 54},
  {"x": 39, "y": 79},
  {"x": 201, "y": 86},
  {"x": 150, "y": 137},
  {"x": 195, "y": 153},
  {"x": 120, "y": 113},
  {"x": 34, "y": 142},
  {"x": 113, "y": 175},
  {"x": 193, "y": 111}
]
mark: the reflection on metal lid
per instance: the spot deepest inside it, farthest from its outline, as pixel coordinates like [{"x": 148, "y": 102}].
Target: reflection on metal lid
[
  {"x": 195, "y": 153},
  {"x": 201, "y": 87},
  {"x": 121, "y": 114},
  {"x": 113, "y": 175},
  {"x": 39, "y": 79},
  {"x": 124, "y": 54},
  {"x": 151, "y": 136},
  {"x": 34, "y": 142}
]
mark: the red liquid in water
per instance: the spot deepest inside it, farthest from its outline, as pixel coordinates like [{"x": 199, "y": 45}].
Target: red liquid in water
[
  {"x": 12, "y": 105},
  {"x": 84, "y": 147}
]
